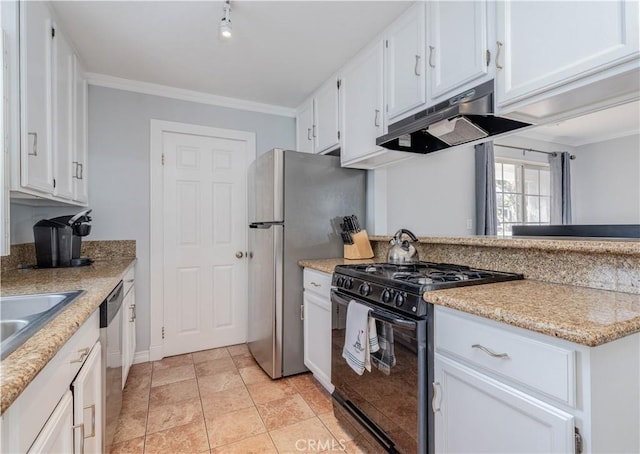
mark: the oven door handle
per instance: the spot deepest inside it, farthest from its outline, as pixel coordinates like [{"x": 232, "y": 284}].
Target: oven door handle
[{"x": 385, "y": 317}]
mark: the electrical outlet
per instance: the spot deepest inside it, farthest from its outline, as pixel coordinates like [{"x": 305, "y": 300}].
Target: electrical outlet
[{"x": 469, "y": 224}]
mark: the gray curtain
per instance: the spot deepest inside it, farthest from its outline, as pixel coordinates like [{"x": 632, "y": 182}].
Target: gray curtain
[
  {"x": 486, "y": 215},
  {"x": 560, "y": 188}
]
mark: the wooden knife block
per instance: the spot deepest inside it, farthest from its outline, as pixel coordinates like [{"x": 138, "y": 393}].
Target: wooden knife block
[{"x": 361, "y": 247}]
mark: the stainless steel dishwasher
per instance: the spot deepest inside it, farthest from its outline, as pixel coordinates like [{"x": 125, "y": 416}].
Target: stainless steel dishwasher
[{"x": 111, "y": 336}]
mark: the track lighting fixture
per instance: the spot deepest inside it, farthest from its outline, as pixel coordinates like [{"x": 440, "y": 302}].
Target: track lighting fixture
[{"x": 225, "y": 22}]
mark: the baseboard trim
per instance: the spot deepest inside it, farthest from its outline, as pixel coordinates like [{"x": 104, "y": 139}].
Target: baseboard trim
[{"x": 141, "y": 357}]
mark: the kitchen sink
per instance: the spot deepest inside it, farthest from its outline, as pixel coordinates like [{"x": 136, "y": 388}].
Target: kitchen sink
[{"x": 23, "y": 315}]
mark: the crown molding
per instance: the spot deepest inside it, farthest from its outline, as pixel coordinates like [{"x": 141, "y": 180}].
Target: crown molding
[{"x": 103, "y": 80}]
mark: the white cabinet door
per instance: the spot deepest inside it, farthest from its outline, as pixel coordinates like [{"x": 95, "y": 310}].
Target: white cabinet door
[
  {"x": 325, "y": 108},
  {"x": 62, "y": 121},
  {"x": 317, "y": 337},
  {"x": 362, "y": 105},
  {"x": 457, "y": 46},
  {"x": 57, "y": 434},
  {"x": 405, "y": 62},
  {"x": 304, "y": 127},
  {"x": 129, "y": 333},
  {"x": 475, "y": 413},
  {"x": 36, "y": 170},
  {"x": 80, "y": 186},
  {"x": 542, "y": 45},
  {"x": 87, "y": 404}
]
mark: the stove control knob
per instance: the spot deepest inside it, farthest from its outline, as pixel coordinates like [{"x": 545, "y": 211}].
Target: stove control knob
[
  {"x": 339, "y": 282},
  {"x": 364, "y": 289},
  {"x": 399, "y": 300},
  {"x": 386, "y": 296},
  {"x": 348, "y": 284}
]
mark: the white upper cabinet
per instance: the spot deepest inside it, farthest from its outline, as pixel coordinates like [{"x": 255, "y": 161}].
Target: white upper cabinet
[
  {"x": 80, "y": 145},
  {"x": 304, "y": 127},
  {"x": 63, "y": 143},
  {"x": 52, "y": 161},
  {"x": 362, "y": 105},
  {"x": 325, "y": 108},
  {"x": 544, "y": 45},
  {"x": 458, "y": 54},
  {"x": 36, "y": 47},
  {"x": 405, "y": 64},
  {"x": 317, "y": 120}
]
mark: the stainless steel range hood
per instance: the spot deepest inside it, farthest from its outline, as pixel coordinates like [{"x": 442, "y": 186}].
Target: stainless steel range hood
[{"x": 464, "y": 118}]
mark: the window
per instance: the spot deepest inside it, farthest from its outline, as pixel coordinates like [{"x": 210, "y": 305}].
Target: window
[{"x": 523, "y": 194}]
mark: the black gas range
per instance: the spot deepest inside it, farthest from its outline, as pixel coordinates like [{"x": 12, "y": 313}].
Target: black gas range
[
  {"x": 400, "y": 287},
  {"x": 398, "y": 386}
]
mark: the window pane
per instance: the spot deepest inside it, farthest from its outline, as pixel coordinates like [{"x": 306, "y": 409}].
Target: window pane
[
  {"x": 499, "y": 177},
  {"x": 499, "y": 207},
  {"x": 509, "y": 172},
  {"x": 545, "y": 182},
  {"x": 533, "y": 209},
  {"x": 531, "y": 181},
  {"x": 512, "y": 208},
  {"x": 545, "y": 209}
]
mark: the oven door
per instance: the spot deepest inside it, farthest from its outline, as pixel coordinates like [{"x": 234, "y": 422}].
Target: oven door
[{"x": 390, "y": 401}]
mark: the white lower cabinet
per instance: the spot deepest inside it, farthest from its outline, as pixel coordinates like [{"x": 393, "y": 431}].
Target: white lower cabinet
[
  {"x": 317, "y": 326},
  {"x": 87, "y": 404},
  {"x": 475, "y": 413},
  {"x": 502, "y": 389},
  {"x": 57, "y": 434},
  {"x": 128, "y": 324},
  {"x": 47, "y": 417}
]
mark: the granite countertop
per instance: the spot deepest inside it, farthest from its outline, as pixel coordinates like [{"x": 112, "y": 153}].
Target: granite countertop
[
  {"x": 21, "y": 367},
  {"x": 621, "y": 246},
  {"x": 578, "y": 314},
  {"x": 328, "y": 265}
]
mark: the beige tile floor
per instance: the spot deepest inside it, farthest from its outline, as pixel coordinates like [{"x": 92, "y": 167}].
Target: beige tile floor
[{"x": 220, "y": 401}]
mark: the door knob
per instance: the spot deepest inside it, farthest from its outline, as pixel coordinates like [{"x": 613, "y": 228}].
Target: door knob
[{"x": 239, "y": 255}]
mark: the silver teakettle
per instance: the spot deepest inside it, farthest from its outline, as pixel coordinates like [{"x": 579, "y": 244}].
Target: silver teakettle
[{"x": 402, "y": 251}]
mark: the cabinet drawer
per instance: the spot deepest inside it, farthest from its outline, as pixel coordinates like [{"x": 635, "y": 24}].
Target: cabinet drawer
[
  {"x": 317, "y": 282},
  {"x": 77, "y": 349},
  {"x": 508, "y": 354}
]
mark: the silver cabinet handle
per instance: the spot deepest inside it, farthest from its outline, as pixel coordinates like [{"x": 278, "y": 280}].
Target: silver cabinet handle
[
  {"x": 93, "y": 420},
  {"x": 84, "y": 352},
  {"x": 239, "y": 254},
  {"x": 431, "y": 49},
  {"x": 308, "y": 133},
  {"x": 490, "y": 352},
  {"x": 376, "y": 121},
  {"x": 35, "y": 143},
  {"x": 81, "y": 168},
  {"x": 314, "y": 130},
  {"x": 129, "y": 281},
  {"x": 314, "y": 284},
  {"x": 75, "y": 169},
  {"x": 81, "y": 427},
  {"x": 436, "y": 389},
  {"x": 416, "y": 69},
  {"x": 132, "y": 314},
  {"x": 498, "y": 55},
  {"x": 302, "y": 312}
]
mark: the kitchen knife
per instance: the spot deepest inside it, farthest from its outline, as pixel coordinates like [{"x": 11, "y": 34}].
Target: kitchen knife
[{"x": 346, "y": 238}]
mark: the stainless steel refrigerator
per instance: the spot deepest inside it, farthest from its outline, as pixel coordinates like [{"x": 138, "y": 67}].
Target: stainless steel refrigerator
[{"x": 296, "y": 201}]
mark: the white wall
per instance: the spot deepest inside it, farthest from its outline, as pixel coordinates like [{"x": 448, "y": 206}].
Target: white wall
[
  {"x": 432, "y": 194},
  {"x": 606, "y": 182},
  {"x": 119, "y": 170}
]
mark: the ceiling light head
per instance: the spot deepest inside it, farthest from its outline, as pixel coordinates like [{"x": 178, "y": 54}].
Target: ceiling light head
[{"x": 225, "y": 22}]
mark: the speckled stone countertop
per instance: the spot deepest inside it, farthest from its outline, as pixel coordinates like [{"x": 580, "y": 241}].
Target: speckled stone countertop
[
  {"x": 582, "y": 315},
  {"x": 327, "y": 265},
  {"x": 98, "y": 279},
  {"x": 620, "y": 246}
]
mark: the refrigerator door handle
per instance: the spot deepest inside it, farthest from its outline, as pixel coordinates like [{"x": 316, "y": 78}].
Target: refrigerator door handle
[{"x": 264, "y": 225}]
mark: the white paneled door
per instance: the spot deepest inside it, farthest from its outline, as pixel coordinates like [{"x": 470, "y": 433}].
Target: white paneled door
[{"x": 204, "y": 244}]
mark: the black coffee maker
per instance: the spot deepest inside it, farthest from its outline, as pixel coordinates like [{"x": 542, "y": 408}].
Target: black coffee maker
[{"x": 59, "y": 240}]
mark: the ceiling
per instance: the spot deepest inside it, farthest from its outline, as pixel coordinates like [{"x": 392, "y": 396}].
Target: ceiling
[
  {"x": 618, "y": 121},
  {"x": 280, "y": 52}
]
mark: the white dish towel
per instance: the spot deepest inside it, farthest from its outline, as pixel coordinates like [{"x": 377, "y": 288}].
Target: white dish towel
[{"x": 360, "y": 339}]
